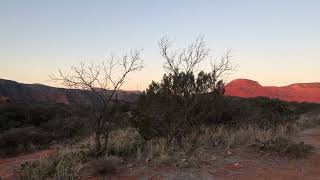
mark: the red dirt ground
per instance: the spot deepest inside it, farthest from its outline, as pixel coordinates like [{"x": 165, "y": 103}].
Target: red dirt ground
[
  {"x": 251, "y": 166},
  {"x": 8, "y": 165}
]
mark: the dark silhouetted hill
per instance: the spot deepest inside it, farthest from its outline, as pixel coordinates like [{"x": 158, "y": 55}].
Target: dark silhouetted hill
[{"x": 14, "y": 92}]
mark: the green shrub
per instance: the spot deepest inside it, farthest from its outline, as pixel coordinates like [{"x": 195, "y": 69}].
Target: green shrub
[{"x": 181, "y": 102}]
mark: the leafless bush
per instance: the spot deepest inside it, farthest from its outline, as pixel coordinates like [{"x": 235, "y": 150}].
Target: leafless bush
[{"x": 104, "y": 81}]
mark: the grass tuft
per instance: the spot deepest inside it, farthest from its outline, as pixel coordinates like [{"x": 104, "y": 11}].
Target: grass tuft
[{"x": 284, "y": 147}]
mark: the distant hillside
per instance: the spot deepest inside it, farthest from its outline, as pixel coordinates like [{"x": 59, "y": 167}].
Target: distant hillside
[
  {"x": 300, "y": 92},
  {"x": 14, "y": 92}
]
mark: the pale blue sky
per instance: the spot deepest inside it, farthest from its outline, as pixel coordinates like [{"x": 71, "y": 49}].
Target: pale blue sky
[{"x": 275, "y": 42}]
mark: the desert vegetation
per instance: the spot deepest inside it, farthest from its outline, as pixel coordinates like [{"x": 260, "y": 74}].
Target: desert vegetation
[
  {"x": 29, "y": 127},
  {"x": 177, "y": 118}
]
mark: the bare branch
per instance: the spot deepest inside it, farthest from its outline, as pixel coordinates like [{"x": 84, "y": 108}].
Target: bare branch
[
  {"x": 101, "y": 80},
  {"x": 223, "y": 67},
  {"x": 172, "y": 64},
  {"x": 185, "y": 59}
]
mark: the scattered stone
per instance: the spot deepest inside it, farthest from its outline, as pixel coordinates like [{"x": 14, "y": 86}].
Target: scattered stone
[
  {"x": 236, "y": 165},
  {"x": 52, "y": 143},
  {"x": 229, "y": 153},
  {"x": 213, "y": 158},
  {"x": 99, "y": 167},
  {"x": 130, "y": 166},
  {"x": 148, "y": 160},
  {"x": 212, "y": 171}
]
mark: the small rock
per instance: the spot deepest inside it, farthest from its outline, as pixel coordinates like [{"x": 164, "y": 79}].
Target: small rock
[
  {"x": 236, "y": 165},
  {"x": 99, "y": 167},
  {"x": 212, "y": 171},
  {"x": 213, "y": 158},
  {"x": 229, "y": 153},
  {"x": 183, "y": 160},
  {"x": 148, "y": 160},
  {"x": 53, "y": 143}
]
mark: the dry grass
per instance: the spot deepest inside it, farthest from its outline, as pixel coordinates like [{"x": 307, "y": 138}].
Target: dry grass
[
  {"x": 128, "y": 142},
  {"x": 225, "y": 137},
  {"x": 63, "y": 165},
  {"x": 124, "y": 142},
  {"x": 308, "y": 120},
  {"x": 71, "y": 163}
]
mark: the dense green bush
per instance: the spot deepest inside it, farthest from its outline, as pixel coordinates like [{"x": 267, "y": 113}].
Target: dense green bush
[{"x": 179, "y": 103}]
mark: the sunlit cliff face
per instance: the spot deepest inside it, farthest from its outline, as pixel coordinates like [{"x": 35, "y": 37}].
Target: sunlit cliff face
[{"x": 300, "y": 92}]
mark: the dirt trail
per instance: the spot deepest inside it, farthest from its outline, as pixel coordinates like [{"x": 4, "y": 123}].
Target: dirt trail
[
  {"x": 272, "y": 168},
  {"x": 9, "y": 165}
]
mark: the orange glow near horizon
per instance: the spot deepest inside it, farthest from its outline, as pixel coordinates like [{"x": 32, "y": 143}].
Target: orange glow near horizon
[{"x": 270, "y": 44}]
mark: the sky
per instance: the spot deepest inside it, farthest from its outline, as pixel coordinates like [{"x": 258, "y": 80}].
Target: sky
[{"x": 275, "y": 42}]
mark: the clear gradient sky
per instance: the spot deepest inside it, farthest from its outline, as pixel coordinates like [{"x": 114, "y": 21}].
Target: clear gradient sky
[{"x": 275, "y": 42}]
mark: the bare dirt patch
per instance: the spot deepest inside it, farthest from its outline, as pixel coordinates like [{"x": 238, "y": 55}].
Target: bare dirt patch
[{"x": 9, "y": 165}]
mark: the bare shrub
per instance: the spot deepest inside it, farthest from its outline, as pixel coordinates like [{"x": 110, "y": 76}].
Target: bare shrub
[{"x": 103, "y": 81}]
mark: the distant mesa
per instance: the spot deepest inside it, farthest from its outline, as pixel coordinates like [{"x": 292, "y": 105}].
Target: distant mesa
[
  {"x": 14, "y": 92},
  {"x": 299, "y": 92}
]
